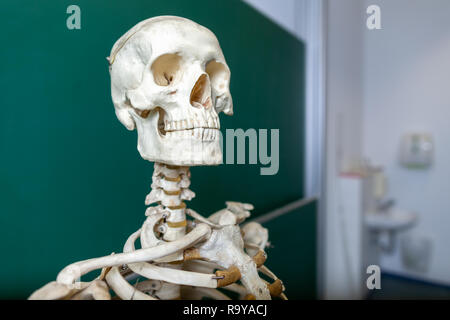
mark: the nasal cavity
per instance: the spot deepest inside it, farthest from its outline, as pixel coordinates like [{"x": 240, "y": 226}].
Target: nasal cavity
[{"x": 201, "y": 93}]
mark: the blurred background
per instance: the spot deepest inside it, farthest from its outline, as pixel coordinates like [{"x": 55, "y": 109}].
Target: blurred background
[{"x": 356, "y": 88}]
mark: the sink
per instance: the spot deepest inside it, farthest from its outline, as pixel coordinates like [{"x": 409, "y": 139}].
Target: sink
[{"x": 393, "y": 219}]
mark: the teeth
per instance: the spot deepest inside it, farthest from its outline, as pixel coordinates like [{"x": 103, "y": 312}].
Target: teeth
[
  {"x": 205, "y": 134},
  {"x": 205, "y": 129},
  {"x": 210, "y": 123},
  {"x": 197, "y": 133}
]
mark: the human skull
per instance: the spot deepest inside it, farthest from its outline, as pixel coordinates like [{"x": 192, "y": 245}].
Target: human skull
[{"x": 169, "y": 79}]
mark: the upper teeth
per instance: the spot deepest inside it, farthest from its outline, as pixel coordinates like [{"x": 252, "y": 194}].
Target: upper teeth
[{"x": 177, "y": 125}]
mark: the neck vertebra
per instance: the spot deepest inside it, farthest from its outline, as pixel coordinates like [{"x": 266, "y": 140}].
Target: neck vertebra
[{"x": 170, "y": 187}]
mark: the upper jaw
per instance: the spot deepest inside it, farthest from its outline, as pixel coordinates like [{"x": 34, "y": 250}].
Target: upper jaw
[{"x": 191, "y": 123}]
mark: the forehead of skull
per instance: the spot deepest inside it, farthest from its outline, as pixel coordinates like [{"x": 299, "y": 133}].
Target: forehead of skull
[{"x": 157, "y": 36}]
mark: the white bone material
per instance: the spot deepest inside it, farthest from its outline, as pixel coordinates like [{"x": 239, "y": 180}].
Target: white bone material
[
  {"x": 123, "y": 289},
  {"x": 170, "y": 80},
  {"x": 70, "y": 273}
]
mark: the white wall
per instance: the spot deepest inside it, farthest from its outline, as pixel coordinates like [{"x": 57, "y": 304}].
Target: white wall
[
  {"x": 380, "y": 85},
  {"x": 407, "y": 89},
  {"x": 282, "y": 12},
  {"x": 344, "y": 96}
]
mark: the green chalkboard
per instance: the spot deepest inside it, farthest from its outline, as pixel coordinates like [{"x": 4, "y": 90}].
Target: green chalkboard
[
  {"x": 72, "y": 184},
  {"x": 292, "y": 252}
]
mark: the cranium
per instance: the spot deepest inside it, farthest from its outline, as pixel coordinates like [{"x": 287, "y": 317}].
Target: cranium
[{"x": 169, "y": 79}]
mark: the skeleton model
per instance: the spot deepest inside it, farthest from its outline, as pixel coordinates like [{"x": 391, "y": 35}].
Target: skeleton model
[{"x": 169, "y": 80}]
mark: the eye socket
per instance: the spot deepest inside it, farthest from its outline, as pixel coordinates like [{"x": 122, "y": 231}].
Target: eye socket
[
  {"x": 166, "y": 69},
  {"x": 218, "y": 73}
]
